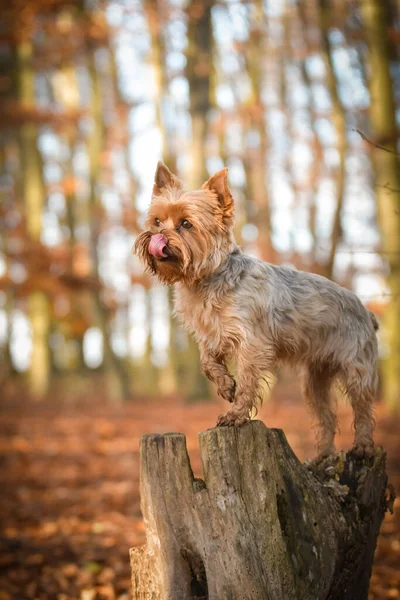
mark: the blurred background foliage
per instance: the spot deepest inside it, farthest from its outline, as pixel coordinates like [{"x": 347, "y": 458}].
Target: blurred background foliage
[{"x": 299, "y": 98}]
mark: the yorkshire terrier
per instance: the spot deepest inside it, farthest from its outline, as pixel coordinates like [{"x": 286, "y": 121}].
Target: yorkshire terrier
[{"x": 257, "y": 313}]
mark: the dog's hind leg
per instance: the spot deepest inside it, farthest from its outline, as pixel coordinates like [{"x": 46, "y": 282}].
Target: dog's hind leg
[
  {"x": 316, "y": 386},
  {"x": 360, "y": 385}
]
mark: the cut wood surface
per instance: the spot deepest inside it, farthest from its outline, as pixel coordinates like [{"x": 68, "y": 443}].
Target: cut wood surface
[{"x": 261, "y": 525}]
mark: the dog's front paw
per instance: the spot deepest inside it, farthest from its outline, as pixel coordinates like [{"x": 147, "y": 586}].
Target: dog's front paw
[
  {"x": 324, "y": 453},
  {"x": 227, "y": 388},
  {"x": 233, "y": 418}
]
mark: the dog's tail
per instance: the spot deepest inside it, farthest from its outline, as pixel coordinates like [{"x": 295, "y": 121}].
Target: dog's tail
[{"x": 374, "y": 320}]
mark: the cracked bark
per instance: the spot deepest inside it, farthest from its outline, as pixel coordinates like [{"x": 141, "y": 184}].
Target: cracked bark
[{"x": 261, "y": 525}]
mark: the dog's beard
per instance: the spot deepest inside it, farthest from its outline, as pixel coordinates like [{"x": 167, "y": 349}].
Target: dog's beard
[
  {"x": 188, "y": 260},
  {"x": 170, "y": 269}
]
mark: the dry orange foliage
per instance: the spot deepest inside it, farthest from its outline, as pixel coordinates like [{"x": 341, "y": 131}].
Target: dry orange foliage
[{"x": 70, "y": 506}]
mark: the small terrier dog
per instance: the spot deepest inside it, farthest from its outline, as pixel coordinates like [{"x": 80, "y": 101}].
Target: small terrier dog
[{"x": 257, "y": 313}]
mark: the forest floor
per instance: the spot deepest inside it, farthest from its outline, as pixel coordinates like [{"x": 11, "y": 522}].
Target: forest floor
[{"x": 69, "y": 505}]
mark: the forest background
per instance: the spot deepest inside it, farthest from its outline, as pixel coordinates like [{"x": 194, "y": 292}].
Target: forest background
[{"x": 300, "y": 99}]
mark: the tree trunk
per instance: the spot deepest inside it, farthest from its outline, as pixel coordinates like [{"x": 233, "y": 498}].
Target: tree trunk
[
  {"x": 316, "y": 146},
  {"x": 261, "y": 525},
  {"x": 387, "y": 179},
  {"x": 119, "y": 385},
  {"x": 155, "y": 22},
  {"x": 339, "y": 122},
  {"x": 256, "y": 164},
  {"x": 33, "y": 196},
  {"x": 199, "y": 70}
]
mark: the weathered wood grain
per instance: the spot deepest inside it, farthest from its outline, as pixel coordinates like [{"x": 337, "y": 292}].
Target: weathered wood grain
[{"x": 261, "y": 526}]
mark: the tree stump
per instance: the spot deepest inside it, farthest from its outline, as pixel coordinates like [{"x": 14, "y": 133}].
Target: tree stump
[{"x": 261, "y": 526}]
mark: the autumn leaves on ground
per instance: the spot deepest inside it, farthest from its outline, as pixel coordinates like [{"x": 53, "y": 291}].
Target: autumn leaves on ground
[{"x": 70, "y": 491}]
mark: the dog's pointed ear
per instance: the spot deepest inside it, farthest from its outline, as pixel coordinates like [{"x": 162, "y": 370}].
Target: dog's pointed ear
[
  {"x": 164, "y": 178},
  {"x": 218, "y": 184}
]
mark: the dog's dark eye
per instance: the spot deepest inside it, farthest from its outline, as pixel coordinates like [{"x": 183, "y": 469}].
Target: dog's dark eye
[
  {"x": 186, "y": 225},
  {"x": 157, "y": 222}
]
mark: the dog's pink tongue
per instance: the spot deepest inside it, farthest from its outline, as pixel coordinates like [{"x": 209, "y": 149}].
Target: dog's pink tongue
[{"x": 157, "y": 244}]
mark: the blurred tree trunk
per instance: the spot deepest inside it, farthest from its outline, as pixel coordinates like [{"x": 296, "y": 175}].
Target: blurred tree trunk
[
  {"x": 199, "y": 72},
  {"x": 158, "y": 61},
  {"x": 120, "y": 120},
  {"x": 339, "y": 121},
  {"x": 316, "y": 143},
  {"x": 387, "y": 179},
  {"x": 149, "y": 373},
  {"x": 115, "y": 370},
  {"x": 65, "y": 90},
  {"x": 286, "y": 101},
  {"x": 256, "y": 165},
  {"x": 153, "y": 10},
  {"x": 5, "y": 355},
  {"x": 33, "y": 195}
]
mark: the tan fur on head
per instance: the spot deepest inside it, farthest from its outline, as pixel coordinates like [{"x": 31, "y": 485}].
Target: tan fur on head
[
  {"x": 218, "y": 185},
  {"x": 259, "y": 314},
  {"x": 163, "y": 179},
  {"x": 195, "y": 252}
]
